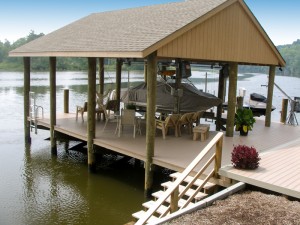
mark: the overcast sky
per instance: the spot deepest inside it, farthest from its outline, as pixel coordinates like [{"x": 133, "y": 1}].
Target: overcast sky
[{"x": 279, "y": 18}]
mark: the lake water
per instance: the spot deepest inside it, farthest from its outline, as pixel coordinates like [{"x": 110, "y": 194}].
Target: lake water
[{"x": 38, "y": 188}]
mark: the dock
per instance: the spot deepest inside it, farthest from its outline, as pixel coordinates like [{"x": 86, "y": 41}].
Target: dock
[{"x": 278, "y": 145}]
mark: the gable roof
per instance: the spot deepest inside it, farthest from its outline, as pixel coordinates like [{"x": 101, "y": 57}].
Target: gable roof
[{"x": 129, "y": 33}]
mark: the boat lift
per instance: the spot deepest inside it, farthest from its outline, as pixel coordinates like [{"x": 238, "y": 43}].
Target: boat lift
[{"x": 295, "y": 107}]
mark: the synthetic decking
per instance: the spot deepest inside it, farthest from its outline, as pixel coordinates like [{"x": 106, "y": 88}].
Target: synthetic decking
[{"x": 278, "y": 145}]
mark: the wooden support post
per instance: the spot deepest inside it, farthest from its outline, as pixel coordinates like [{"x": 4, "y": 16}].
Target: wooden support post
[
  {"x": 218, "y": 159},
  {"x": 233, "y": 70},
  {"x": 52, "y": 62},
  {"x": 270, "y": 96},
  {"x": 66, "y": 100},
  {"x": 118, "y": 81},
  {"x": 101, "y": 75},
  {"x": 240, "y": 102},
  {"x": 284, "y": 108},
  {"x": 150, "y": 120},
  {"x": 174, "y": 200},
  {"x": 177, "y": 86},
  {"x": 221, "y": 96},
  {"x": 26, "y": 61},
  {"x": 91, "y": 130},
  {"x": 145, "y": 72}
]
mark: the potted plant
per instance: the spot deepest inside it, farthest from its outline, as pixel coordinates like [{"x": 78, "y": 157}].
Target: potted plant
[
  {"x": 245, "y": 157},
  {"x": 244, "y": 121}
]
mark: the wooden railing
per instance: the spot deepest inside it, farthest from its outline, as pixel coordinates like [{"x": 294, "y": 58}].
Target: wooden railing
[{"x": 173, "y": 191}]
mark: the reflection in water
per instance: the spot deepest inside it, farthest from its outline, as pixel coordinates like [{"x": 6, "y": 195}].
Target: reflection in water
[
  {"x": 60, "y": 189},
  {"x": 37, "y": 188}
]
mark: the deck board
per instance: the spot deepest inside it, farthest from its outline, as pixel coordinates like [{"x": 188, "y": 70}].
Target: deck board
[{"x": 278, "y": 145}]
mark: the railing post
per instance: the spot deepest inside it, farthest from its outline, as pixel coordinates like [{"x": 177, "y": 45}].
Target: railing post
[
  {"x": 174, "y": 200},
  {"x": 218, "y": 159}
]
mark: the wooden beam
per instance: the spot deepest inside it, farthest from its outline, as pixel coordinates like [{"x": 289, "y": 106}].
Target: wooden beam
[
  {"x": 119, "y": 64},
  {"x": 150, "y": 120},
  {"x": 233, "y": 70},
  {"x": 52, "y": 62},
  {"x": 91, "y": 130},
  {"x": 26, "y": 61},
  {"x": 270, "y": 96},
  {"x": 221, "y": 96},
  {"x": 101, "y": 75}
]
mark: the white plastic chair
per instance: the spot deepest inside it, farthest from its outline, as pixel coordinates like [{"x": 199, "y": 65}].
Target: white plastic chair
[{"x": 127, "y": 119}]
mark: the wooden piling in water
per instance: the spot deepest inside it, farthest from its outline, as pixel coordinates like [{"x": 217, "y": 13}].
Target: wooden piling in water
[
  {"x": 91, "y": 130},
  {"x": 66, "y": 100},
  {"x": 270, "y": 95},
  {"x": 233, "y": 69},
  {"x": 150, "y": 120},
  {"x": 52, "y": 62},
  {"x": 26, "y": 61},
  {"x": 284, "y": 108}
]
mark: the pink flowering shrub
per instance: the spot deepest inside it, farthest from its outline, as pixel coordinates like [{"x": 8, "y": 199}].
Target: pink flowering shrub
[{"x": 245, "y": 157}]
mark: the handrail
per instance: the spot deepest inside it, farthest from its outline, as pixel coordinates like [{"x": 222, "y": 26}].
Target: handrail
[
  {"x": 216, "y": 141},
  {"x": 34, "y": 111}
]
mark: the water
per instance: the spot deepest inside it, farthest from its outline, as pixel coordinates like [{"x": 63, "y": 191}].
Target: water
[{"x": 38, "y": 188}]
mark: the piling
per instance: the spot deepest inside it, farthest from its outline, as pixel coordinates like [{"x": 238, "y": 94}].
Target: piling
[
  {"x": 52, "y": 62},
  {"x": 150, "y": 119},
  {"x": 66, "y": 100},
  {"x": 26, "y": 61},
  {"x": 284, "y": 108},
  {"x": 270, "y": 96},
  {"x": 233, "y": 68},
  {"x": 91, "y": 131}
]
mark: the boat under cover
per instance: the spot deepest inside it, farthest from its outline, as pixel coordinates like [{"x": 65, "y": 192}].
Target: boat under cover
[{"x": 192, "y": 99}]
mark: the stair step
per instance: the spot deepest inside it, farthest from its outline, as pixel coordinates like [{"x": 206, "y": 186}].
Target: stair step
[
  {"x": 162, "y": 209},
  {"x": 208, "y": 186},
  {"x": 181, "y": 201},
  {"x": 189, "y": 192},
  {"x": 138, "y": 215}
]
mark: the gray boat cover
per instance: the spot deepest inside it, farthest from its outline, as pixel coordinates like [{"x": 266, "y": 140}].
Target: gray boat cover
[{"x": 192, "y": 99}]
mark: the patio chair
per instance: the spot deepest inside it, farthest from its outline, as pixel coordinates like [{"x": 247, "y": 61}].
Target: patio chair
[
  {"x": 197, "y": 116},
  {"x": 187, "y": 121},
  {"x": 81, "y": 110},
  {"x": 127, "y": 119},
  {"x": 102, "y": 101},
  {"x": 171, "y": 121}
]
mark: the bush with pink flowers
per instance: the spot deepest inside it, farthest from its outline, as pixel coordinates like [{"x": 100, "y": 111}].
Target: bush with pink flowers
[{"x": 245, "y": 157}]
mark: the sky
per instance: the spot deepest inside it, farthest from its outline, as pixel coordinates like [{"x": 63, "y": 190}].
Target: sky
[{"x": 279, "y": 18}]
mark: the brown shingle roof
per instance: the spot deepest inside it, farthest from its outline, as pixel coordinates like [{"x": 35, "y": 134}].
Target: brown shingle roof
[{"x": 126, "y": 32}]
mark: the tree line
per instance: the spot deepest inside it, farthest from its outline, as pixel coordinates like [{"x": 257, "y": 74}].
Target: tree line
[{"x": 290, "y": 52}]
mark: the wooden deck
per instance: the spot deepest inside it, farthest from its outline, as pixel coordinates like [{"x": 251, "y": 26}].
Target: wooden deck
[{"x": 279, "y": 147}]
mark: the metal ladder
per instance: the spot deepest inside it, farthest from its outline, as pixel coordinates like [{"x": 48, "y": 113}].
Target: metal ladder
[{"x": 34, "y": 111}]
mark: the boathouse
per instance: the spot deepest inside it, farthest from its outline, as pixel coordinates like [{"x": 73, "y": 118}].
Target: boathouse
[{"x": 223, "y": 32}]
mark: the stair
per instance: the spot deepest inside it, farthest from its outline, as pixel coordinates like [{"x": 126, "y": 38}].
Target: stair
[
  {"x": 208, "y": 187},
  {"x": 190, "y": 192},
  {"x": 181, "y": 202},
  {"x": 141, "y": 213}
]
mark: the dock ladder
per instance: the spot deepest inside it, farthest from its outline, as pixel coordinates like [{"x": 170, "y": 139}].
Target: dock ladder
[{"x": 34, "y": 111}]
